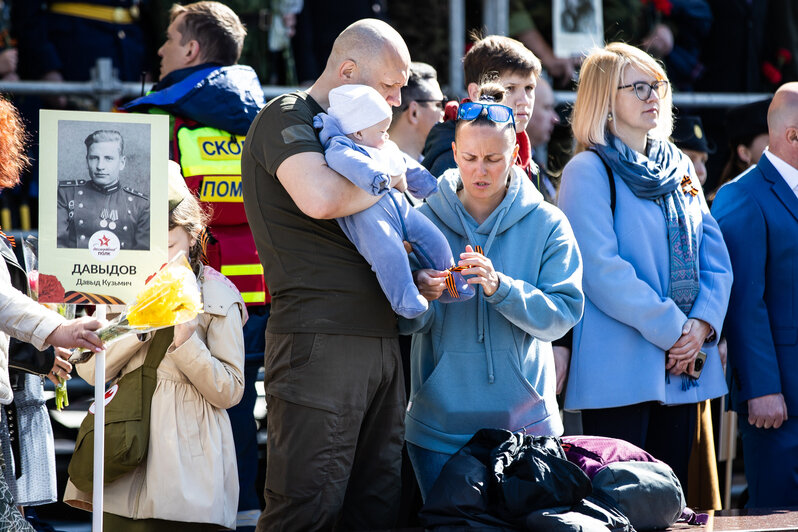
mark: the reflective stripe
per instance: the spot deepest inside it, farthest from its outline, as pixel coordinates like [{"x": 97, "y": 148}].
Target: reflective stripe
[
  {"x": 242, "y": 269},
  {"x": 110, "y": 14},
  {"x": 220, "y": 148},
  {"x": 253, "y": 297},
  {"x": 221, "y": 189},
  {"x": 209, "y": 151}
]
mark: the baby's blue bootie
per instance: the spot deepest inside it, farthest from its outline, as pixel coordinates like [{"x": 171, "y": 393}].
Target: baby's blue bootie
[{"x": 457, "y": 289}]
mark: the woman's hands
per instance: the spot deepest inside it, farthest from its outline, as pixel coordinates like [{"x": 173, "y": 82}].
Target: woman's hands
[
  {"x": 430, "y": 283},
  {"x": 681, "y": 356},
  {"x": 61, "y": 366},
  {"x": 184, "y": 331},
  {"x": 482, "y": 270},
  {"x": 77, "y": 333}
]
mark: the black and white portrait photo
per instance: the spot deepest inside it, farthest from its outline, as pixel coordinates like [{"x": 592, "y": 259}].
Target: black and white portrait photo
[
  {"x": 578, "y": 16},
  {"x": 577, "y": 26},
  {"x": 103, "y": 183}
]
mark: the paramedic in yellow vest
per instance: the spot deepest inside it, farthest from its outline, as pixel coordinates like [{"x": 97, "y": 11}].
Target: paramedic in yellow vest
[{"x": 212, "y": 101}]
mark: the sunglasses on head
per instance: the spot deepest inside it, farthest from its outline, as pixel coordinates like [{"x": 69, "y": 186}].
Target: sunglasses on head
[{"x": 496, "y": 112}]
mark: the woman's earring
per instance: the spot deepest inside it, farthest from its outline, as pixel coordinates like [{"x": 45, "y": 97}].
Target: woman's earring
[{"x": 609, "y": 117}]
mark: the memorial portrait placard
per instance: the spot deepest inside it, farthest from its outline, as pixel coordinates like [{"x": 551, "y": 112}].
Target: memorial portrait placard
[
  {"x": 103, "y": 219},
  {"x": 577, "y": 26}
]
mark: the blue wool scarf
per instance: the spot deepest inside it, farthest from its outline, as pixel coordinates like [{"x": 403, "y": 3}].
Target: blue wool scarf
[{"x": 657, "y": 176}]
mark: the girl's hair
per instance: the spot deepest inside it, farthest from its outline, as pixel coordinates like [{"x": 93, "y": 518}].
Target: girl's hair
[
  {"x": 13, "y": 159},
  {"x": 600, "y": 76},
  {"x": 489, "y": 91},
  {"x": 190, "y": 216}
]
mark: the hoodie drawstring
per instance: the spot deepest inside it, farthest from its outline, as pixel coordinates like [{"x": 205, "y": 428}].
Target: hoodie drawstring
[{"x": 483, "y": 333}]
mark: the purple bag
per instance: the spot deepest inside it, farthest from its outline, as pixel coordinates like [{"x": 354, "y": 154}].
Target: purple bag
[
  {"x": 594, "y": 453},
  {"x": 645, "y": 489}
]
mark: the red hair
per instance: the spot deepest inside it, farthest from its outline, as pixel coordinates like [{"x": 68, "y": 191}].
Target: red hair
[{"x": 13, "y": 159}]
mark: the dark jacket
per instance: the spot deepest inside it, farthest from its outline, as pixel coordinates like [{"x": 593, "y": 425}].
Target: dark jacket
[
  {"x": 438, "y": 155},
  {"x": 71, "y": 45},
  {"x": 505, "y": 481},
  {"x": 21, "y": 355},
  {"x": 224, "y": 97}
]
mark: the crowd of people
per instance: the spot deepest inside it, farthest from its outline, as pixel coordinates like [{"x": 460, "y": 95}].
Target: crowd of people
[{"x": 409, "y": 270}]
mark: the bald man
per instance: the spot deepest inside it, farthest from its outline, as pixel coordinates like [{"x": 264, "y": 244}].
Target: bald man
[
  {"x": 333, "y": 382},
  {"x": 758, "y": 214}
]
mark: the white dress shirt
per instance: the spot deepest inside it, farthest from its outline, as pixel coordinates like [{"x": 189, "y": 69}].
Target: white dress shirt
[{"x": 787, "y": 172}]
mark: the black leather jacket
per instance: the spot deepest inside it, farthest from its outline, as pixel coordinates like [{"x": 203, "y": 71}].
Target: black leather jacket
[{"x": 23, "y": 356}]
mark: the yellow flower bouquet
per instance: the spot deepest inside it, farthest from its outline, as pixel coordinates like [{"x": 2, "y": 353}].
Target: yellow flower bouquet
[{"x": 170, "y": 297}]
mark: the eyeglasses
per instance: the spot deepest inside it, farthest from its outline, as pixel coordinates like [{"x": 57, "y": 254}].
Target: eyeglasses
[
  {"x": 439, "y": 103},
  {"x": 501, "y": 114},
  {"x": 643, "y": 89}
]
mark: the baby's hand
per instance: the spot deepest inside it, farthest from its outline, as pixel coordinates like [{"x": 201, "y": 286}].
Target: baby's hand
[{"x": 399, "y": 182}]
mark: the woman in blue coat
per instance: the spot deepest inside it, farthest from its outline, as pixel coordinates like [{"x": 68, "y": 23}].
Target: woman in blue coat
[
  {"x": 487, "y": 362},
  {"x": 657, "y": 275}
]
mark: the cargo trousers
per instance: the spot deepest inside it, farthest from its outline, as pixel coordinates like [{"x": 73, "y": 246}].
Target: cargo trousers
[{"x": 335, "y": 429}]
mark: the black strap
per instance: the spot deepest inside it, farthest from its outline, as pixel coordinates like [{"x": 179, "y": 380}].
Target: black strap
[
  {"x": 610, "y": 177},
  {"x": 12, "y": 422},
  {"x": 160, "y": 343}
]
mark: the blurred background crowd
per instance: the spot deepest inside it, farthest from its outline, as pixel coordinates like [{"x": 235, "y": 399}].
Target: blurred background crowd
[{"x": 731, "y": 46}]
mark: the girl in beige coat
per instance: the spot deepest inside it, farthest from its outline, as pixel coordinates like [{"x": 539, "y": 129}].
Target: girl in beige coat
[{"x": 189, "y": 479}]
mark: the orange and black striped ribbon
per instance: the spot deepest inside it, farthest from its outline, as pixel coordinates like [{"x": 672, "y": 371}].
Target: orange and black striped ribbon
[
  {"x": 204, "y": 238},
  {"x": 450, "y": 286},
  {"x": 10, "y": 239},
  {"x": 83, "y": 298},
  {"x": 687, "y": 186}
]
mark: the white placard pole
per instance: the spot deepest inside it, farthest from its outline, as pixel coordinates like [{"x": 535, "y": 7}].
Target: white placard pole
[{"x": 99, "y": 433}]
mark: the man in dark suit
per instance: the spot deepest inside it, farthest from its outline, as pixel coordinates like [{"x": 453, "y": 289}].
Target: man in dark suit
[{"x": 758, "y": 214}]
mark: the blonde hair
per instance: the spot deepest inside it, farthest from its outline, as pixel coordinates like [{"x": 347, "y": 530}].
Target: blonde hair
[{"x": 600, "y": 76}]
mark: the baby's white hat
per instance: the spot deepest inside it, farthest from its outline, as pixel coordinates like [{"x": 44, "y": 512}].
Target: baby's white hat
[{"x": 357, "y": 107}]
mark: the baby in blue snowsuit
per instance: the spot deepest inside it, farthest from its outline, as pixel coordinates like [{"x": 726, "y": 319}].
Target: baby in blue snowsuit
[{"x": 356, "y": 145}]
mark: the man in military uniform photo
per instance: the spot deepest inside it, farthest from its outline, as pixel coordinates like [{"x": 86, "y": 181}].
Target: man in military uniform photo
[{"x": 102, "y": 203}]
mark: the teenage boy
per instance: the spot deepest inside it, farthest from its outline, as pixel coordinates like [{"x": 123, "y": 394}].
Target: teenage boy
[{"x": 517, "y": 69}]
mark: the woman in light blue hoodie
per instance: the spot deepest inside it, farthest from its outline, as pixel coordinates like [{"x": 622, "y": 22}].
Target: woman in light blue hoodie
[{"x": 487, "y": 362}]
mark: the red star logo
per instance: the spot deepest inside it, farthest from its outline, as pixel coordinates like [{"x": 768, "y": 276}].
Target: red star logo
[{"x": 104, "y": 241}]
